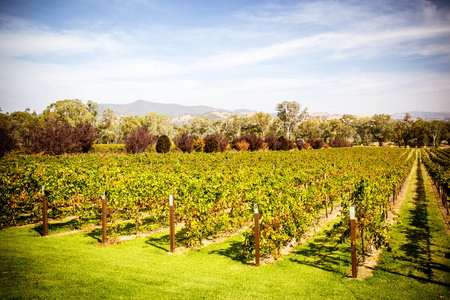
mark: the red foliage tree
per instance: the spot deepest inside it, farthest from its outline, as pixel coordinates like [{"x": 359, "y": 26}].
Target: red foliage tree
[
  {"x": 185, "y": 142},
  {"x": 138, "y": 140}
]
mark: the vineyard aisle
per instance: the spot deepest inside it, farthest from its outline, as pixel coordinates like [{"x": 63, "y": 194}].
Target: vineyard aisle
[{"x": 420, "y": 245}]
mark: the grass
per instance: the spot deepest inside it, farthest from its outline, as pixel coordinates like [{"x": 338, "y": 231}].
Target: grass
[{"x": 416, "y": 265}]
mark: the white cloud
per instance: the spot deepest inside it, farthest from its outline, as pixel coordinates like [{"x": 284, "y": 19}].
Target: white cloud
[{"x": 306, "y": 52}]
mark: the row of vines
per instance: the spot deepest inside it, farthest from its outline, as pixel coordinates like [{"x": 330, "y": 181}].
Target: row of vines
[
  {"x": 437, "y": 163},
  {"x": 214, "y": 193}
]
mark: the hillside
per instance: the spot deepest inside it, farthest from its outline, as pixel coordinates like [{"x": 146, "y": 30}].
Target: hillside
[{"x": 182, "y": 113}]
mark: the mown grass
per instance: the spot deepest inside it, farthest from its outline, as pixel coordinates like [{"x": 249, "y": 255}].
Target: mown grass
[{"x": 73, "y": 266}]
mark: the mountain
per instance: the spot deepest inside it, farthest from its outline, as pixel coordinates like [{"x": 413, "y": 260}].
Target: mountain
[
  {"x": 142, "y": 107},
  {"x": 180, "y": 113},
  {"x": 443, "y": 116},
  {"x": 177, "y": 113}
]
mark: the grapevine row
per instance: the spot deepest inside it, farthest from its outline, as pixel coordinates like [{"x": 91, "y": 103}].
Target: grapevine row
[{"x": 214, "y": 192}]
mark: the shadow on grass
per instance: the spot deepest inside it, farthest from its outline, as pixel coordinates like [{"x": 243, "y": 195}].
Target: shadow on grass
[
  {"x": 325, "y": 252},
  {"x": 58, "y": 227},
  {"x": 417, "y": 247},
  {"x": 232, "y": 250},
  {"x": 123, "y": 229},
  {"x": 416, "y": 260},
  {"x": 96, "y": 234},
  {"x": 163, "y": 241}
]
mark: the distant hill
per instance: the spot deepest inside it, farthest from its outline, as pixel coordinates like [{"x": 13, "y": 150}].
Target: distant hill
[
  {"x": 443, "y": 116},
  {"x": 181, "y": 114},
  {"x": 142, "y": 107},
  {"x": 177, "y": 113}
]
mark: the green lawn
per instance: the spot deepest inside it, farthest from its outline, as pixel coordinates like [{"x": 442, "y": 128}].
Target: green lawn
[{"x": 417, "y": 265}]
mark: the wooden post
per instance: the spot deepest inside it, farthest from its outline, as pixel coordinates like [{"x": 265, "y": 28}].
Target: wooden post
[
  {"x": 353, "y": 240},
  {"x": 44, "y": 213},
  {"x": 104, "y": 223},
  {"x": 172, "y": 224},
  {"x": 326, "y": 204},
  {"x": 256, "y": 235}
]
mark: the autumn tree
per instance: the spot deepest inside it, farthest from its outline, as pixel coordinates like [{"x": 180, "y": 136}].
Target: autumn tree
[
  {"x": 8, "y": 141},
  {"x": 138, "y": 140},
  {"x": 185, "y": 142}
]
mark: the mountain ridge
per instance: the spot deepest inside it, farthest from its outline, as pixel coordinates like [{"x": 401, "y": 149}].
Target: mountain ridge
[{"x": 181, "y": 113}]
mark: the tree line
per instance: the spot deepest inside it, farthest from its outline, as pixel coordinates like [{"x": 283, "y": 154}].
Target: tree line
[{"x": 73, "y": 126}]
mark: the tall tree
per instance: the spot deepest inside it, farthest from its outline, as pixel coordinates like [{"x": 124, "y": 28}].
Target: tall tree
[
  {"x": 199, "y": 127},
  {"x": 262, "y": 122},
  {"x": 290, "y": 114},
  {"x": 348, "y": 126},
  {"x": 382, "y": 126},
  {"x": 71, "y": 111},
  {"x": 436, "y": 128},
  {"x": 421, "y": 130},
  {"x": 109, "y": 127},
  {"x": 363, "y": 128}
]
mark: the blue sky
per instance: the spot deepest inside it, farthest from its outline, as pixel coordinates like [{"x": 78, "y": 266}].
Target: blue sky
[{"x": 357, "y": 57}]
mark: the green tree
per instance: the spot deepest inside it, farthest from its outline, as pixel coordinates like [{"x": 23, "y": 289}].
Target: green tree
[
  {"x": 199, "y": 127},
  {"x": 310, "y": 129},
  {"x": 348, "y": 130},
  {"x": 363, "y": 129},
  {"x": 291, "y": 115},
  {"x": 421, "y": 130},
  {"x": 436, "y": 128},
  {"x": 159, "y": 124},
  {"x": 261, "y": 122},
  {"x": 21, "y": 122},
  {"x": 71, "y": 112},
  {"x": 382, "y": 127},
  {"x": 109, "y": 127}
]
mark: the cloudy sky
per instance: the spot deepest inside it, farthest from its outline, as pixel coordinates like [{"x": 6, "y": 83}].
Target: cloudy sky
[{"x": 357, "y": 57}]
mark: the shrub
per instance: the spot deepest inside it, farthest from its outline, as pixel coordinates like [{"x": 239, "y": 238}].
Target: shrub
[
  {"x": 138, "y": 140},
  {"x": 163, "y": 145},
  {"x": 84, "y": 136},
  {"x": 236, "y": 141},
  {"x": 199, "y": 145},
  {"x": 211, "y": 144},
  {"x": 242, "y": 146},
  {"x": 7, "y": 140},
  {"x": 316, "y": 144},
  {"x": 223, "y": 143},
  {"x": 264, "y": 147},
  {"x": 338, "y": 143},
  {"x": 254, "y": 141},
  {"x": 52, "y": 138},
  {"x": 284, "y": 143},
  {"x": 272, "y": 142},
  {"x": 185, "y": 142}
]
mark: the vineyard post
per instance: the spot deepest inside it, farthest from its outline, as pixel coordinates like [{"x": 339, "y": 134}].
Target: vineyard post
[
  {"x": 104, "y": 217},
  {"x": 44, "y": 213},
  {"x": 353, "y": 239},
  {"x": 172, "y": 224},
  {"x": 326, "y": 204},
  {"x": 256, "y": 211}
]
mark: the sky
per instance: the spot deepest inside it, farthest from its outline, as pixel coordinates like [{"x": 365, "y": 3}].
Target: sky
[{"x": 357, "y": 57}]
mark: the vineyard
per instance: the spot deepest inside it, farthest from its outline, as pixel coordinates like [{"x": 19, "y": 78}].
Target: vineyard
[
  {"x": 214, "y": 193},
  {"x": 437, "y": 162}
]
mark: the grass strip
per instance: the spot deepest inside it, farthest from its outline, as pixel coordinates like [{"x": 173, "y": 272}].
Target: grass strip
[{"x": 416, "y": 265}]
